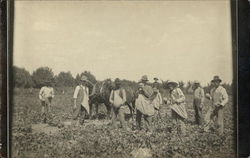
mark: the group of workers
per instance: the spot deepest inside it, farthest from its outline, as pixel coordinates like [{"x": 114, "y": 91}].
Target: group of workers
[{"x": 148, "y": 102}]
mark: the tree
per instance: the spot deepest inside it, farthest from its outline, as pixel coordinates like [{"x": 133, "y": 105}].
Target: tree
[
  {"x": 77, "y": 79},
  {"x": 64, "y": 79},
  {"x": 41, "y": 75},
  {"x": 89, "y": 75},
  {"x": 22, "y": 78}
]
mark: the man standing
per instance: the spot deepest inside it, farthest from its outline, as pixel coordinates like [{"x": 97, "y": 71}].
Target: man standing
[
  {"x": 219, "y": 97},
  {"x": 117, "y": 99},
  {"x": 144, "y": 107},
  {"x": 157, "y": 102},
  {"x": 81, "y": 100},
  {"x": 198, "y": 103},
  {"x": 178, "y": 106},
  {"x": 156, "y": 84},
  {"x": 46, "y": 95}
]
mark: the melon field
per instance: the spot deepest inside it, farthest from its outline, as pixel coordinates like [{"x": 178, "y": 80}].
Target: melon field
[{"x": 62, "y": 137}]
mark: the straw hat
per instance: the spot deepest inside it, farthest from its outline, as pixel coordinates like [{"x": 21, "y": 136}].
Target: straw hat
[
  {"x": 172, "y": 83},
  {"x": 216, "y": 79},
  {"x": 144, "y": 78}
]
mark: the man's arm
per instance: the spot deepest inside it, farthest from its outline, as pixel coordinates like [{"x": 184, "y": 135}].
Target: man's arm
[
  {"x": 53, "y": 93},
  {"x": 182, "y": 96},
  {"x": 111, "y": 99},
  {"x": 224, "y": 97},
  {"x": 124, "y": 96},
  {"x": 202, "y": 96},
  {"x": 41, "y": 93},
  {"x": 153, "y": 96},
  {"x": 75, "y": 95}
]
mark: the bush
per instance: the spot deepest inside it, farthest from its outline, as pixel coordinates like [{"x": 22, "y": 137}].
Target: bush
[
  {"x": 89, "y": 75},
  {"x": 22, "y": 78},
  {"x": 64, "y": 79},
  {"x": 41, "y": 75}
]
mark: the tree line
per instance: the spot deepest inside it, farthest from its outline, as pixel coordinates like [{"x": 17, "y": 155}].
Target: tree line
[{"x": 23, "y": 79}]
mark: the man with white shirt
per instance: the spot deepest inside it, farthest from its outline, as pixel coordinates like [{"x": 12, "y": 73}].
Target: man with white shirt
[
  {"x": 198, "y": 102},
  {"x": 46, "y": 95},
  {"x": 81, "y": 100},
  {"x": 117, "y": 99},
  {"x": 219, "y": 97}
]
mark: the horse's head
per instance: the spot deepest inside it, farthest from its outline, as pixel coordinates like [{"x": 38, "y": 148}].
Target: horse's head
[{"x": 106, "y": 85}]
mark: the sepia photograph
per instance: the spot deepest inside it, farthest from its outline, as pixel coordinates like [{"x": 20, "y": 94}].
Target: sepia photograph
[{"x": 128, "y": 79}]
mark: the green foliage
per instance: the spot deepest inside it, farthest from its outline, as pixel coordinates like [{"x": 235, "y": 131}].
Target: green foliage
[
  {"x": 41, "y": 75},
  {"x": 22, "y": 78},
  {"x": 64, "y": 79}
]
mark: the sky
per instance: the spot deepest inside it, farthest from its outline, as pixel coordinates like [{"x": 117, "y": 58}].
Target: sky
[{"x": 175, "y": 40}]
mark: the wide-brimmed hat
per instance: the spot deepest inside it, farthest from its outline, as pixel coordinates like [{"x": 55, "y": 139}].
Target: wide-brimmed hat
[
  {"x": 118, "y": 81},
  {"x": 172, "y": 83},
  {"x": 216, "y": 79},
  {"x": 144, "y": 78},
  {"x": 196, "y": 82}
]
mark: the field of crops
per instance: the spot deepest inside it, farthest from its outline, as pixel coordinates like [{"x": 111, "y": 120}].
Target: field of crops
[{"x": 62, "y": 137}]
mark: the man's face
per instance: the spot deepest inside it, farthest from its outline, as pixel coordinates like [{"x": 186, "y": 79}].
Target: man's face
[
  {"x": 195, "y": 86},
  {"x": 83, "y": 83},
  {"x": 118, "y": 85},
  {"x": 212, "y": 84},
  {"x": 171, "y": 87},
  {"x": 141, "y": 85},
  {"x": 216, "y": 84}
]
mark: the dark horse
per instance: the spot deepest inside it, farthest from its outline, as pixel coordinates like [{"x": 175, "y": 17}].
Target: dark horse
[{"x": 101, "y": 93}]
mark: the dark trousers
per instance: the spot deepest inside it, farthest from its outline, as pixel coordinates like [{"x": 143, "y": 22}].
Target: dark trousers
[
  {"x": 198, "y": 112},
  {"x": 147, "y": 119},
  {"x": 46, "y": 109},
  {"x": 79, "y": 113},
  {"x": 216, "y": 115}
]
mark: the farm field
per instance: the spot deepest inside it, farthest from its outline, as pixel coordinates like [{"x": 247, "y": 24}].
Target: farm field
[{"x": 62, "y": 137}]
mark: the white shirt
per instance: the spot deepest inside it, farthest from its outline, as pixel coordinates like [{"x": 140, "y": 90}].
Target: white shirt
[
  {"x": 199, "y": 94},
  {"x": 85, "y": 94},
  {"x": 46, "y": 92},
  {"x": 219, "y": 96},
  {"x": 115, "y": 95}
]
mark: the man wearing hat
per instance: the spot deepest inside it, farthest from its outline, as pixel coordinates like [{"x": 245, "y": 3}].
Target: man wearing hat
[
  {"x": 81, "y": 99},
  {"x": 117, "y": 99},
  {"x": 143, "y": 104},
  {"x": 177, "y": 105},
  {"x": 46, "y": 95},
  {"x": 158, "y": 100},
  {"x": 219, "y": 98},
  {"x": 198, "y": 102},
  {"x": 156, "y": 84}
]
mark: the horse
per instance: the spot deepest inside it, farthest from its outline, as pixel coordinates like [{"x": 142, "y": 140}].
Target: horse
[{"x": 101, "y": 93}]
